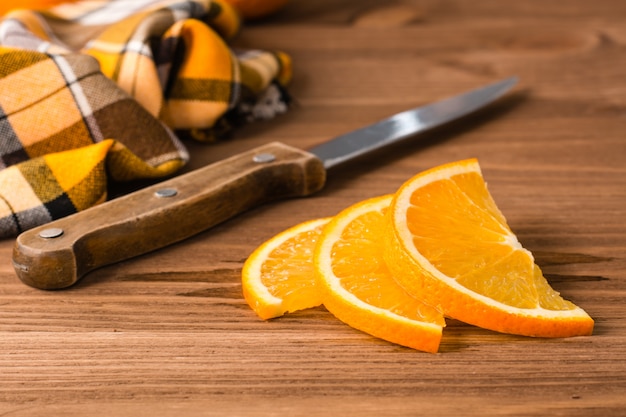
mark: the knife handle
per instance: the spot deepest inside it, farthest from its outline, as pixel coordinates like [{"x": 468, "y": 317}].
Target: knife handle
[{"x": 58, "y": 254}]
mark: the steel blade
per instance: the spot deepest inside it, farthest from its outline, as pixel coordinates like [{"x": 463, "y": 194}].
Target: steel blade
[{"x": 408, "y": 123}]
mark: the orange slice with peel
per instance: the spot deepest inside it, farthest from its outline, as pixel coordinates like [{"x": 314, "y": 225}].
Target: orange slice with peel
[
  {"x": 448, "y": 244},
  {"x": 278, "y": 277},
  {"x": 357, "y": 285}
]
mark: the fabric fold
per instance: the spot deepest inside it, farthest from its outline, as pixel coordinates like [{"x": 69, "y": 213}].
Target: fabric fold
[{"x": 94, "y": 91}]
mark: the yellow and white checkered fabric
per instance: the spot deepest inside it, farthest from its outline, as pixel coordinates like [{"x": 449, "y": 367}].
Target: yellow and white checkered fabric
[{"x": 95, "y": 91}]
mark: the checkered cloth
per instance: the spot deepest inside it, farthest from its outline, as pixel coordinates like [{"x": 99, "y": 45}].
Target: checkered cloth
[{"x": 96, "y": 91}]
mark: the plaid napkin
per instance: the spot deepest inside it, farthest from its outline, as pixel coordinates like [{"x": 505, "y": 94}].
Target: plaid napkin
[{"x": 96, "y": 91}]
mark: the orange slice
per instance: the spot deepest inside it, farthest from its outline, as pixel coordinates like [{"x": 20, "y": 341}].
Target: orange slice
[
  {"x": 357, "y": 285},
  {"x": 448, "y": 244},
  {"x": 278, "y": 277},
  {"x": 30, "y": 4}
]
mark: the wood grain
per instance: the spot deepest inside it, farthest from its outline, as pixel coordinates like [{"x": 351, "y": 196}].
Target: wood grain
[{"x": 169, "y": 333}]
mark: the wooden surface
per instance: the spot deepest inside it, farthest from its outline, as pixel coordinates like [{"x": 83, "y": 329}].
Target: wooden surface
[{"x": 169, "y": 334}]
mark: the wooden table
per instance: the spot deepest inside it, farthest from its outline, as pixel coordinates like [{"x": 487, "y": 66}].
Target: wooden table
[{"x": 169, "y": 334}]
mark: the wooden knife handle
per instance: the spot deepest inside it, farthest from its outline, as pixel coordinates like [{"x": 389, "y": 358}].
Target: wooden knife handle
[{"x": 58, "y": 254}]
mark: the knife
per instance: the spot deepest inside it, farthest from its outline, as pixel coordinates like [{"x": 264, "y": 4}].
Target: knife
[{"x": 58, "y": 254}]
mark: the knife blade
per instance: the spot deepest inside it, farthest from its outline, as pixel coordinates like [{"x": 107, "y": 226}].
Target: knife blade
[{"x": 58, "y": 254}]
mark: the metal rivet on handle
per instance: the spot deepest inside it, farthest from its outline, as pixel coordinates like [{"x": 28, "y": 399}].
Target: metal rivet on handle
[
  {"x": 264, "y": 158},
  {"x": 165, "y": 192},
  {"x": 51, "y": 233}
]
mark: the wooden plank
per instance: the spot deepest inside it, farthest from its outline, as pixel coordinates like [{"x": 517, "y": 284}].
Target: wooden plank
[{"x": 169, "y": 333}]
